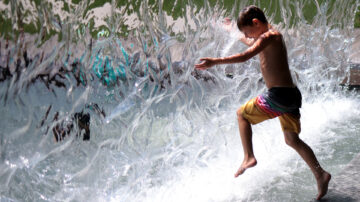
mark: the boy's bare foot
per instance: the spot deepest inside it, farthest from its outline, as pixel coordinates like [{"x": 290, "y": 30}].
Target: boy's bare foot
[
  {"x": 251, "y": 162},
  {"x": 323, "y": 183}
]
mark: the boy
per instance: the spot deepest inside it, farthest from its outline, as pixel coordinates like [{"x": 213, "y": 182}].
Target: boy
[{"x": 283, "y": 99}]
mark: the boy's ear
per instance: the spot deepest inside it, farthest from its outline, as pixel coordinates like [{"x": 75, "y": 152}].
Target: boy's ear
[{"x": 255, "y": 21}]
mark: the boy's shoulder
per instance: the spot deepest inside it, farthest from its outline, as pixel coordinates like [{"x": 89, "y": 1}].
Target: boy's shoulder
[{"x": 272, "y": 35}]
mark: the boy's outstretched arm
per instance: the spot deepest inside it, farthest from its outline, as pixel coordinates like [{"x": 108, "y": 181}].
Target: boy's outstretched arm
[{"x": 255, "y": 49}]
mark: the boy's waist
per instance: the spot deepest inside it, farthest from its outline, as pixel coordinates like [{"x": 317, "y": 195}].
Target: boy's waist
[{"x": 284, "y": 96}]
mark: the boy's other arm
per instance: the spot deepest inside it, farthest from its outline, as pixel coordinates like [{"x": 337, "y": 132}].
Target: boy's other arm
[
  {"x": 255, "y": 49},
  {"x": 230, "y": 27},
  {"x": 246, "y": 41}
]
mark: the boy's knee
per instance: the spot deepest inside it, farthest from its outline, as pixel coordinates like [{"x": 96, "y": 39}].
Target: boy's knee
[
  {"x": 241, "y": 117},
  {"x": 239, "y": 113},
  {"x": 291, "y": 138}
]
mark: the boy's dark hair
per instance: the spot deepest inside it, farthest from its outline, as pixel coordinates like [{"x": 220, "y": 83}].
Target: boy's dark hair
[{"x": 248, "y": 14}]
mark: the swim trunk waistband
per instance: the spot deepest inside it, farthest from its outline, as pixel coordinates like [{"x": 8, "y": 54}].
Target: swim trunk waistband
[{"x": 279, "y": 100}]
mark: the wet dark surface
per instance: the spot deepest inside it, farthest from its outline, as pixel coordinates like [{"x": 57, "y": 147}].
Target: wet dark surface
[{"x": 345, "y": 187}]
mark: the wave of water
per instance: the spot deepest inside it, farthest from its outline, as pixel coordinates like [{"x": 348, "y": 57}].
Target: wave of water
[{"x": 161, "y": 131}]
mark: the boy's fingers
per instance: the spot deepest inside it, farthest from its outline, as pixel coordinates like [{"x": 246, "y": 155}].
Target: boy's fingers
[
  {"x": 203, "y": 63},
  {"x": 200, "y": 66},
  {"x": 227, "y": 21}
]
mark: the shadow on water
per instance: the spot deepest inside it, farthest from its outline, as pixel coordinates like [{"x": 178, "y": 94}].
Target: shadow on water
[
  {"x": 334, "y": 196},
  {"x": 120, "y": 74}
]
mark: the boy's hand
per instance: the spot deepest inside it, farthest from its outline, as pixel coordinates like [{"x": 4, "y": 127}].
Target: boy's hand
[
  {"x": 206, "y": 63},
  {"x": 246, "y": 41},
  {"x": 227, "y": 25}
]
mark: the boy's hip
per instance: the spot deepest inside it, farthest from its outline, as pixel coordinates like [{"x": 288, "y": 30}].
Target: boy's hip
[{"x": 276, "y": 102}]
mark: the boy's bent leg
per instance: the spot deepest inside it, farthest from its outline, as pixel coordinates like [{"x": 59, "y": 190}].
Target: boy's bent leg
[
  {"x": 246, "y": 140},
  {"x": 322, "y": 177},
  {"x": 248, "y": 114}
]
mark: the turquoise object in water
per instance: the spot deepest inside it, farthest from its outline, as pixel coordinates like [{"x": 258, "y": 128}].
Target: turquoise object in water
[
  {"x": 120, "y": 72},
  {"x": 106, "y": 71},
  {"x": 97, "y": 67}
]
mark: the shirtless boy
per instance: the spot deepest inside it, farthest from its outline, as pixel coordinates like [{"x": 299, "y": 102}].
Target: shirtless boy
[{"x": 282, "y": 99}]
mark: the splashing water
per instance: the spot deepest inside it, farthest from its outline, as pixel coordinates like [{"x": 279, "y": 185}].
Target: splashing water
[{"x": 161, "y": 131}]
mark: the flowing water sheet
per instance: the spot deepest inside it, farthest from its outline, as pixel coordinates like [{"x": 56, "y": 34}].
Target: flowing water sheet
[{"x": 114, "y": 83}]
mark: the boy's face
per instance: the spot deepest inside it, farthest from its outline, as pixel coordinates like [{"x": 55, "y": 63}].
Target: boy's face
[
  {"x": 251, "y": 31},
  {"x": 254, "y": 30}
]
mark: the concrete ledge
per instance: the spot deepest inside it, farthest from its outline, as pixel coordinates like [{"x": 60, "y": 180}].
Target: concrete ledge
[{"x": 353, "y": 79}]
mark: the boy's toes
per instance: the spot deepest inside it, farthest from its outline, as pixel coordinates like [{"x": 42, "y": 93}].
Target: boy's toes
[{"x": 240, "y": 171}]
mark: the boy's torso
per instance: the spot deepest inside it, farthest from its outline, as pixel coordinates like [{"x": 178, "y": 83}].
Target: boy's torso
[{"x": 274, "y": 63}]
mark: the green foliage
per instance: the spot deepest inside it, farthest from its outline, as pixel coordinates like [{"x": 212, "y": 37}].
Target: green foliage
[
  {"x": 176, "y": 9},
  {"x": 75, "y": 1},
  {"x": 357, "y": 18},
  {"x": 37, "y": 2},
  {"x": 6, "y": 26},
  {"x": 66, "y": 7},
  {"x": 31, "y": 28},
  {"x": 95, "y": 4}
]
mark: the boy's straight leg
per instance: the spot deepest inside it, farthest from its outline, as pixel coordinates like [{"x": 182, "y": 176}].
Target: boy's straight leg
[{"x": 322, "y": 177}]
